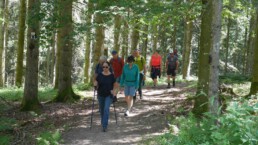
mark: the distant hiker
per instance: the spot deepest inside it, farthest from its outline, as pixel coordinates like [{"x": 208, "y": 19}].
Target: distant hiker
[
  {"x": 117, "y": 64},
  {"x": 130, "y": 81},
  {"x": 175, "y": 53},
  {"x": 171, "y": 67},
  {"x": 155, "y": 66},
  {"x": 105, "y": 82},
  {"x": 141, "y": 63}
]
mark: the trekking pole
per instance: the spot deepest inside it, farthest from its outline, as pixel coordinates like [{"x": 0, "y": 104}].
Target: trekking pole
[
  {"x": 92, "y": 107},
  {"x": 115, "y": 111}
]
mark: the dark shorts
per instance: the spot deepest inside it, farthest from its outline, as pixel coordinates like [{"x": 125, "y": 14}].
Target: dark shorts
[
  {"x": 171, "y": 71},
  {"x": 155, "y": 72}
]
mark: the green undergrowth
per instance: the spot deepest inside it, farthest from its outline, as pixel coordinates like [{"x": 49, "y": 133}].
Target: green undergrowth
[
  {"x": 233, "y": 78},
  {"x": 6, "y": 127},
  {"x": 238, "y": 126},
  {"x": 49, "y": 138}
]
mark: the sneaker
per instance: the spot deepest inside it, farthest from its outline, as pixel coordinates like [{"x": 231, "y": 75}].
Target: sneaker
[
  {"x": 126, "y": 113},
  {"x": 168, "y": 86}
]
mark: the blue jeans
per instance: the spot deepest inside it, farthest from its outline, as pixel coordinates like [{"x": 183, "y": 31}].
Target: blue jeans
[{"x": 104, "y": 104}]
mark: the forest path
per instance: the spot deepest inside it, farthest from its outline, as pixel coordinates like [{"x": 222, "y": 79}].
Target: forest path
[{"x": 148, "y": 118}]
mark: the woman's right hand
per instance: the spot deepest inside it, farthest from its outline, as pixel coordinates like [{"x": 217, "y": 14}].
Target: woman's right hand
[{"x": 95, "y": 84}]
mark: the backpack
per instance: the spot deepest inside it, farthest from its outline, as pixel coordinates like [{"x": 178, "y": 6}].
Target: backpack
[
  {"x": 119, "y": 60},
  {"x": 172, "y": 62}
]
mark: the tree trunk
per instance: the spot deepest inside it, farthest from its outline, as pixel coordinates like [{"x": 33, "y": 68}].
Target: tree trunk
[
  {"x": 214, "y": 65},
  {"x": 30, "y": 100},
  {"x": 52, "y": 65},
  {"x": 20, "y": 47},
  {"x": 65, "y": 91},
  {"x": 254, "y": 84},
  {"x": 250, "y": 44},
  {"x": 135, "y": 36},
  {"x": 88, "y": 44},
  {"x": 99, "y": 36},
  {"x": 117, "y": 29},
  {"x": 58, "y": 57},
  {"x": 200, "y": 103},
  {"x": 145, "y": 40},
  {"x": 188, "y": 47},
  {"x": 6, "y": 47},
  {"x": 2, "y": 6},
  {"x": 227, "y": 45},
  {"x": 154, "y": 37},
  {"x": 125, "y": 39},
  {"x": 174, "y": 36}
]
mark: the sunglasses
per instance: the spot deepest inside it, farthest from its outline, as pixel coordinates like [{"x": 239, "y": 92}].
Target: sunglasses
[{"x": 104, "y": 66}]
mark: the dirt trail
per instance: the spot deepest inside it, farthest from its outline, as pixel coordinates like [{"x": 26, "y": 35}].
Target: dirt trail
[{"x": 148, "y": 119}]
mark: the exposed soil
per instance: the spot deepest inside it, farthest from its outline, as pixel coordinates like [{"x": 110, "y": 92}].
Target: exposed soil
[{"x": 148, "y": 118}]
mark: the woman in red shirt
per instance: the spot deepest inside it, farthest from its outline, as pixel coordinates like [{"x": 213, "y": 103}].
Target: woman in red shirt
[{"x": 155, "y": 64}]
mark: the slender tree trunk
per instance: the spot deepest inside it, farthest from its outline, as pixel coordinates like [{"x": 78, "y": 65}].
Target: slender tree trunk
[
  {"x": 30, "y": 98},
  {"x": 20, "y": 47},
  {"x": 2, "y": 7},
  {"x": 145, "y": 40},
  {"x": 65, "y": 91},
  {"x": 245, "y": 48},
  {"x": 58, "y": 57},
  {"x": 117, "y": 29},
  {"x": 214, "y": 65},
  {"x": 125, "y": 39},
  {"x": 188, "y": 47},
  {"x": 6, "y": 40},
  {"x": 227, "y": 45},
  {"x": 250, "y": 43},
  {"x": 88, "y": 43},
  {"x": 154, "y": 37},
  {"x": 174, "y": 36},
  {"x": 52, "y": 64},
  {"x": 200, "y": 103},
  {"x": 135, "y": 36}
]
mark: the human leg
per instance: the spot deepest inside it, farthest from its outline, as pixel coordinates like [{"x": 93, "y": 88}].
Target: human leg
[
  {"x": 107, "y": 103},
  {"x": 101, "y": 107}
]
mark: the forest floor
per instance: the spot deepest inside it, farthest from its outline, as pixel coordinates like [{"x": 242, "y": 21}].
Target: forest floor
[{"x": 148, "y": 118}]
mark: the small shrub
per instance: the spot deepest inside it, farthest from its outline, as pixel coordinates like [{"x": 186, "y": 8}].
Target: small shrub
[
  {"x": 49, "y": 138},
  {"x": 5, "y": 139}
]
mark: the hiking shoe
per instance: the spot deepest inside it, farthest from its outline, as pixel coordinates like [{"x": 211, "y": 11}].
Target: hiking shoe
[
  {"x": 126, "y": 113},
  {"x": 168, "y": 86},
  {"x": 104, "y": 129}
]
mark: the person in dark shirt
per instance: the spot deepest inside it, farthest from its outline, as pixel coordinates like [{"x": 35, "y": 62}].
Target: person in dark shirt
[{"x": 105, "y": 82}]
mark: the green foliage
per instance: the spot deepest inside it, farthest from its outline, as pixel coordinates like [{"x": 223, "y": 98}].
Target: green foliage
[
  {"x": 238, "y": 126},
  {"x": 49, "y": 138},
  {"x": 6, "y": 123},
  {"x": 5, "y": 139},
  {"x": 233, "y": 78},
  {"x": 83, "y": 87}
]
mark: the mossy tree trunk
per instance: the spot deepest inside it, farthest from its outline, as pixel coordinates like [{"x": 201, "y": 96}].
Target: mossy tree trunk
[
  {"x": 65, "y": 91},
  {"x": 99, "y": 36},
  {"x": 201, "y": 100},
  {"x": 20, "y": 47},
  {"x": 254, "y": 84},
  {"x": 2, "y": 7},
  {"x": 188, "y": 47},
  {"x": 88, "y": 43},
  {"x": 6, "y": 46},
  {"x": 30, "y": 100},
  {"x": 214, "y": 65},
  {"x": 117, "y": 28}
]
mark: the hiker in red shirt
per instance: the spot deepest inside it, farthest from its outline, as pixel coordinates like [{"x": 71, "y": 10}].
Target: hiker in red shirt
[
  {"x": 155, "y": 63},
  {"x": 117, "y": 64}
]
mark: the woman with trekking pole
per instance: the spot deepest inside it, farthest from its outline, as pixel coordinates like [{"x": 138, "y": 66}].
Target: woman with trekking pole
[{"x": 105, "y": 82}]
